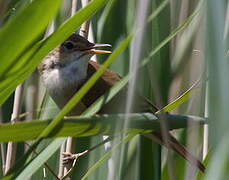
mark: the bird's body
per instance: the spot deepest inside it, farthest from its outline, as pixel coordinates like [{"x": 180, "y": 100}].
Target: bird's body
[
  {"x": 68, "y": 67},
  {"x": 62, "y": 73}
]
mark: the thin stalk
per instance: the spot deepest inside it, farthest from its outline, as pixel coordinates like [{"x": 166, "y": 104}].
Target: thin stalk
[
  {"x": 74, "y": 7},
  {"x": 12, "y": 147},
  {"x": 226, "y": 29},
  {"x": 31, "y": 101},
  {"x": 85, "y": 26},
  {"x": 3, "y": 155},
  {"x": 31, "y": 98},
  {"x": 206, "y": 115},
  {"x": 61, "y": 165}
]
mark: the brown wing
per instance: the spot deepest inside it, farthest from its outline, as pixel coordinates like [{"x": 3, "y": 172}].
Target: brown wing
[
  {"x": 117, "y": 104},
  {"x": 103, "y": 85},
  {"x": 109, "y": 77},
  {"x": 106, "y": 81}
]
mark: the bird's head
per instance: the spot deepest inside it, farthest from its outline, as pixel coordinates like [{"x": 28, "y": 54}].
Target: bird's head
[
  {"x": 67, "y": 64},
  {"x": 76, "y": 50}
]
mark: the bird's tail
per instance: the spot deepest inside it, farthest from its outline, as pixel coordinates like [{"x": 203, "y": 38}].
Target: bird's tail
[{"x": 180, "y": 149}]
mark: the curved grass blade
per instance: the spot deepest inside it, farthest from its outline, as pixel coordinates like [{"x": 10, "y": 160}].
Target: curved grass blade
[
  {"x": 180, "y": 100},
  {"x": 158, "y": 10}
]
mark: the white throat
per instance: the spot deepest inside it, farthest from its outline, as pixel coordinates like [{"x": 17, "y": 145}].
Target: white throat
[{"x": 63, "y": 81}]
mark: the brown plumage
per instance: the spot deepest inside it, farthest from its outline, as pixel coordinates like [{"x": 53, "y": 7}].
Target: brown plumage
[{"x": 67, "y": 68}]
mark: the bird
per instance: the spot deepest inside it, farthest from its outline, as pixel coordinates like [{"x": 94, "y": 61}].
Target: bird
[{"x": 66, "y": 69}]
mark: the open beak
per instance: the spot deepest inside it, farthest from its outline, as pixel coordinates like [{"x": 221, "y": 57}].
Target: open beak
[{"x": 93, "y": 49}]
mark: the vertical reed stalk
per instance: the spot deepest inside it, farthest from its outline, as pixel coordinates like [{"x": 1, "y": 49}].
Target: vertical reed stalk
[
  {"x": 2, "y": 147},
  {"x": 12, "y": 147}
]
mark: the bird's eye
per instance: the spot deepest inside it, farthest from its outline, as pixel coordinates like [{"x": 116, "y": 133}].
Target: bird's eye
[{"x": 69, "y": 45}]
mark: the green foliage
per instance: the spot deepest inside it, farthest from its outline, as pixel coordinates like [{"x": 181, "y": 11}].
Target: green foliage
[
  {"x": 92, "y": 126},
  {"x": 18, "y": 35},
  {"x": 171, "y": 57}
]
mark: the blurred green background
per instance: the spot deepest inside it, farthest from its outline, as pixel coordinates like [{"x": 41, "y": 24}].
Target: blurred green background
[{"x": 185, "y": 45}]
